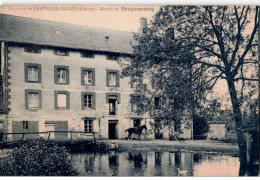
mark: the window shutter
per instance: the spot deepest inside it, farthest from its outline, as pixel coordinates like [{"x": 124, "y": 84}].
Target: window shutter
[
  {"x": 107, "y": 79},
  {"x": 40, "y": 99},
  {"x": 55, "y": 75},
  {"x": 26, "y": 99},
  {"x": 82, "y": 100},
  {"x": 82, "y": 76},
  {"x": 93, "y": 77},
  {"x": 68, "y": 100},
  {"x": 40, "y": 73},
  {"x": 107, "y": 98},
  {"x": 67, "y": 76},
  {"x": 25, "y": 72},
  {"x": 117, "y": 79},
  {"x": 94, "y": 100},
  {"x": 55, "y": 99},
  {"x": 118, "y": 98}
]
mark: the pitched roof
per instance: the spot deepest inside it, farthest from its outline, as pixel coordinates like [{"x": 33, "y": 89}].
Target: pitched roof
[{"x": 52, "y": 33}]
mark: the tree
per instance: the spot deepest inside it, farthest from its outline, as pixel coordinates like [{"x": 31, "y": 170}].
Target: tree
[
  {"x": 224, "y": 40},
  {"x": 158, "y": 77},
  {"x": 38, "y": 158},
  {"x": 161, "y": 72},
  {"x": 221, "y": 43}
]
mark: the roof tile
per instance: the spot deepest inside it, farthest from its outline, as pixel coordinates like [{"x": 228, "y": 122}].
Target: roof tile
[{"x": 52, "y": 33}]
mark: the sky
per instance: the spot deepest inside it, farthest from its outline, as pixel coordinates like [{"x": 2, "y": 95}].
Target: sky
[{"x": 124, "y": 17}]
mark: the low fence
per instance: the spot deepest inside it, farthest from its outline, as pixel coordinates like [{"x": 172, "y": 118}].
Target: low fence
[{"x": 48, "y": 134}]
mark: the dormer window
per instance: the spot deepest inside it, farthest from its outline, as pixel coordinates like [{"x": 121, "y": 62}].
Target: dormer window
[
  {"x": 112, "y": 56},
  {"x": 32, "y": 48},
  {"x": 87, "y": 54},
  {"x": 61, "y": 52}
]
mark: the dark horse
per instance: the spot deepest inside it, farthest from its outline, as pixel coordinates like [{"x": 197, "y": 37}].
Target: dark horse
[{"x": 136, "y": 131}]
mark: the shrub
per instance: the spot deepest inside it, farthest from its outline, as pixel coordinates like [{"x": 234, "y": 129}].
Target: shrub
[{"x": 38, "y": 158}]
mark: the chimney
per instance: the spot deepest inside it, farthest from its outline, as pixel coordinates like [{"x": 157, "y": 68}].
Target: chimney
[{"x": 143, "y": 22}]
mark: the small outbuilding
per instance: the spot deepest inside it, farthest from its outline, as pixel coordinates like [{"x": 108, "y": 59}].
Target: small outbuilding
[{"x": 222, "y": 127}]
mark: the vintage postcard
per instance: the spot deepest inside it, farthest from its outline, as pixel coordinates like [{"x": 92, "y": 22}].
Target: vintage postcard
[{"x": 129, "y": 90}]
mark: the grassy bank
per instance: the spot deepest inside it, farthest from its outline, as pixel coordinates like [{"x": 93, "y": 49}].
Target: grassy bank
[{"x": 163, "y": 145}]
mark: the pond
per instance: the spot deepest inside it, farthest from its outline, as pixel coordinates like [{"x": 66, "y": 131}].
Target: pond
[{"x": 153, "y": 163}]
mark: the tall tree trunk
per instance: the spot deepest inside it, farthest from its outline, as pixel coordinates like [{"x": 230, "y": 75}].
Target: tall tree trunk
[{"x": 239, "y": 124}]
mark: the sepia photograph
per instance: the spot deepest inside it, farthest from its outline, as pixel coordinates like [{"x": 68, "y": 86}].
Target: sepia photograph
[{"x": 129, "y": 90}]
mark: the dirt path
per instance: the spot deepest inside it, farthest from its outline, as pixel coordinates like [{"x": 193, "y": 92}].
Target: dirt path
[{"x": 164, "y": 145}]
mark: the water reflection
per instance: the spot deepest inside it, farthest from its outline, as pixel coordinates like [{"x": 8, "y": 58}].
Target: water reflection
[
  {"x": 150, "y": 163},
  {"x": 113, "y": 163}
]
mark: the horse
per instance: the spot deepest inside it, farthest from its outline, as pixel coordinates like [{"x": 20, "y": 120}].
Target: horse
[{"x": 136, "y": 131}]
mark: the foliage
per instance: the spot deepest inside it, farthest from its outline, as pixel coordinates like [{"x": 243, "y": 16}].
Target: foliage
[
  {"x": 201, "y": 125},
  {"x": 38, "y": 158},
  {"x": 157, "y": 71},
  {"x": 1, "y": 135},
  {"x": 216, "y": 42}
]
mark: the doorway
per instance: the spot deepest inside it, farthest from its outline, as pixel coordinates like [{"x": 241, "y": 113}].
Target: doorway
[
  {"x": 137, "y": 123},
  {"x": 113, "y": 129}
]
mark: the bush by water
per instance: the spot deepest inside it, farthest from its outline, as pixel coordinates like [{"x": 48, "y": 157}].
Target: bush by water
[{"x": 38, "y": 158}]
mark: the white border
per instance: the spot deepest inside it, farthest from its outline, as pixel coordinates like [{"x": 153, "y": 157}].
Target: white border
[
  {"x": 136, "y": 2},
  {"x": 130, "y": 2}
]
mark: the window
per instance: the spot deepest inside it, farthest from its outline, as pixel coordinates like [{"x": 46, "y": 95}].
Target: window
[
  {"x": 25, "y": 124},
  {"x": 32, "y": 73},
  {"x": 137, "y": 123},
  {"x": 134, "y": 99},
  {"x": 134, "y": 107},
  {"x": 32, "y": 48},
  {"x": 112, "y": 78},
  {"x": 88, "y": 100},
  {"x": 112, "y": 106},
  {"x": 112, "y": 56},
  {"x": 112, "y": 99},
  {"x": 156, "y": 103},
  {"x": 87, "y": 54},
  {"x": 62, "y": 100},
  {"x": 33, "y": 99},
  {"x": 88, "y": 76},
  {"x": 61, "y": 74},
  {"x": 61, "y": 52},
  {"x": 88, "y": 125}
]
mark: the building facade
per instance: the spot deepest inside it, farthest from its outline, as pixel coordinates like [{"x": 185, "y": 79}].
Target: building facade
[{"x": 63, "y": 77}]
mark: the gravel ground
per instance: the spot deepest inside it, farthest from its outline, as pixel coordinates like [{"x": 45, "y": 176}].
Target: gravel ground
[{"x": 189, "y": 145}]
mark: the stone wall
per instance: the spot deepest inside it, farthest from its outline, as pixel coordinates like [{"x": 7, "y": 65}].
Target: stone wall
[{"x": 74, "y": 115}]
